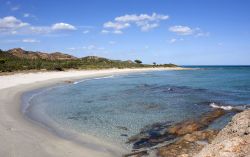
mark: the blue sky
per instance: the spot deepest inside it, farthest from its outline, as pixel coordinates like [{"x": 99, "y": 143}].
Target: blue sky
[{"x": 185, "y": 32}]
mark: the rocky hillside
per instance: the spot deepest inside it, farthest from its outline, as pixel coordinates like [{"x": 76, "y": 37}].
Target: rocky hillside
[
  {"x": 20, "y": 53},
  {"x": 18, "y": 59}
]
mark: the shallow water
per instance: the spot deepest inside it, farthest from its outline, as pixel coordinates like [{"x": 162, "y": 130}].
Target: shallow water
[{"x": 115, "y": 107}]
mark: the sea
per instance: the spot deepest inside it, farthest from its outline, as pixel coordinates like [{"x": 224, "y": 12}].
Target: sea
[{"x": 115, "y": 107}]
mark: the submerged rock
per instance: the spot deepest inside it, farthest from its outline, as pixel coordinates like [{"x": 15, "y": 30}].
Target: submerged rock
[
  {"x": 122, "y": 128},
  {"x": 151, "y": 135},
  {"x": 190, "y": 126},
  {"x": 187, "y": 145},
  {"x": 124, "y": 135},
  {"x": 188, "y": 137}
]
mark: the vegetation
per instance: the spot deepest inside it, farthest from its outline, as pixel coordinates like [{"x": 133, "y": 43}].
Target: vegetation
[
  {"x": 10, "y": 62},
  {"x": 138, "y": 61}
]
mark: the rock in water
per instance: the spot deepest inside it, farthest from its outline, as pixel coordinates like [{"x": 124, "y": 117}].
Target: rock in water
[
  {"x": 190, "y": 126},
  {"x": 187, "y": 145}
]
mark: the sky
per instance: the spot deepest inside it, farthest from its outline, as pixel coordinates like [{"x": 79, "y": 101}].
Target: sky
[{"x": 184, "y": 32}]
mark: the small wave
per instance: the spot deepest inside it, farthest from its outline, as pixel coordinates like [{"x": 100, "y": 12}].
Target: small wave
[
  {"x": 228, "y": 107},
  {"x": 76, "y": 82},
  {"x": 214, "y": 105},
  {"x": 111, "y": 76},
  {"x": 97, "y": 78}
]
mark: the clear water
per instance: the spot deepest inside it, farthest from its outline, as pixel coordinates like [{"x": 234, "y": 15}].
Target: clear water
[{"x": 110, "y": 107}]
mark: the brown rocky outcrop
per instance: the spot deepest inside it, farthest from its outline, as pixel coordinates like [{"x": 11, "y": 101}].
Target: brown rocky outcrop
[
  {"x": 188, "y": 137},
  {"x": 190, "y": 126},
  {"x": 187, "y": 145},
  {"x": 232, "y": 141}
]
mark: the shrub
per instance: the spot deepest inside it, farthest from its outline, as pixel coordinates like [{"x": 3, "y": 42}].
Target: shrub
[{"x": 138, "y": 61}]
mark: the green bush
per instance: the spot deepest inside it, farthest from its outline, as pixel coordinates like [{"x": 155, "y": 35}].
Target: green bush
[{"x": 138, "y": 61}]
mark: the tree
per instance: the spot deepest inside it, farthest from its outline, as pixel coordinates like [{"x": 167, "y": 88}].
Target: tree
[
  {"x": 154, "y": 63},
  {"x": 2, "y": 61},
  {"x": 138, "y": 61}
]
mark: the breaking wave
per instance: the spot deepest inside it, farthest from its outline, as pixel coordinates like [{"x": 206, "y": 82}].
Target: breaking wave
[{"x": 228, "y": 107}]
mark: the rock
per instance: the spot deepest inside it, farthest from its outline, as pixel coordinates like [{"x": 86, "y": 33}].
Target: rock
[
  {"x": 125, "y": 135},
  {"x": 190, "y": 126},
  {"x": 137, "y": 138},
  {"x": 122, "y": 128},
  {"x": 232, "y": 141},
  {"x": 201, "y": 142},
  {"x": 151, "y": 135},
  {"x": 208, "y": 118},
  {"x": 187, "y": 145},
  {"x": 185, "y": 127},
  {"x": 136, "y": 154},
  {"x": 200, "y": 135},
  {"x": 68, "y": 81},
  {"x": 157, "y": 133}
]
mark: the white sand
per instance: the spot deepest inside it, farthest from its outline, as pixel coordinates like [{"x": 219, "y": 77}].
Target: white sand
[{"x": 20, "y": 137}]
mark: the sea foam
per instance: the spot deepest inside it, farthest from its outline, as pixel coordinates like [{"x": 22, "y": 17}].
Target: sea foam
[{"x": 228, "y": 107}]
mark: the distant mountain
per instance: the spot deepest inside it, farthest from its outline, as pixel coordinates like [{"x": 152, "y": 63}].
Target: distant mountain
[{"x": 20, "y": 53}]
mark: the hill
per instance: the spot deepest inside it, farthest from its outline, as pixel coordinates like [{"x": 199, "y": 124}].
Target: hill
[
  {"x": 18, "y": 59},
  {"x": 20, "y": 53}
]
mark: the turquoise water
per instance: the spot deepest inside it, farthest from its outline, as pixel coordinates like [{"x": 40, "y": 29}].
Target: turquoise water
[{"x": 115, "y": 107}]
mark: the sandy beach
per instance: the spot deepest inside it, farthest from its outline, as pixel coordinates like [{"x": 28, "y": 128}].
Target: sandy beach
[{"x": 20, "y": 137}]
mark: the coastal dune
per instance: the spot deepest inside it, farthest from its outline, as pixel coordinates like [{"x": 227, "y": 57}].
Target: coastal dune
[{"x": 21, "y": 137}]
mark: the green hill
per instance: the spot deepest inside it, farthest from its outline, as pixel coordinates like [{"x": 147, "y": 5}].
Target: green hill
[{"x": 20, "y": 60}]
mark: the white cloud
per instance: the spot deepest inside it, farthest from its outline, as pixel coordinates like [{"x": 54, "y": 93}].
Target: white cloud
[
  {"x": 144, "y": 21},
  {"x": 86, "y": 32},
  {"x": 10, "y": 22},
  {"x": 8, "y": 2},
  {"x": 202, "y": 34},
  {"x": 112, "y": 42},
  {"x": 92, "y": 47},
  {"x": 15, "y": 8},
  {"x": 62, "y": 26},
  {"x": 181, "y": 30},
  {"x": 147, "y": 26},
  {"x": 185, "y": 30},
  {"x": 172, "y": 40},
  {"x": 37, "y": 30},
  {"x": 30, "y": 41},
  {"x": 220, "y": 44},
  {"x": 11, "y": 25},
  {"x": 117, "y": 32},
  {"x": 104, "y": 31},
  {"x": 26, "y": 15},
  {"x": 116, "y": 25},
  {"x": 141, "y": 17},
  {"x": 88, "y": 48},
  {"x": 21, "y": 40}
]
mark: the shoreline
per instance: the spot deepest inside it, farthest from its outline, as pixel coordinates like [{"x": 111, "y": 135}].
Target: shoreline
[{"x": 24, "y": 138}]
